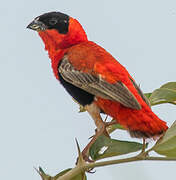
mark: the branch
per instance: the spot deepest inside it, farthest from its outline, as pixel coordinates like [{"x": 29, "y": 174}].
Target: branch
[{"x": 86, "y": 166}]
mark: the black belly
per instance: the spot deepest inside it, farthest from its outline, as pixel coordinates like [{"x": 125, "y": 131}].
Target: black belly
[{"x": 81, "y": 96}]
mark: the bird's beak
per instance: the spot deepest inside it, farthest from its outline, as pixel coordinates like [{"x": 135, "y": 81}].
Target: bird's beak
[{"x": 37, "y": 25}]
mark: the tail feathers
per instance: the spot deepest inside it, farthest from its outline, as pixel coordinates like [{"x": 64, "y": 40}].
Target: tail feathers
[
  {"x": 152, "y": 128},
  {"x": 142, "y": 124}
]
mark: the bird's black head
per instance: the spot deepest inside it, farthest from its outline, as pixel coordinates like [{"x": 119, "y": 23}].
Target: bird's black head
[
  {"x": 58, "y": 30},
  {"x": 51, "y": 20}
]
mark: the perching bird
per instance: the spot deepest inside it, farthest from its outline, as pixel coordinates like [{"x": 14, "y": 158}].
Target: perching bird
[{"x": 94, "y": 78}]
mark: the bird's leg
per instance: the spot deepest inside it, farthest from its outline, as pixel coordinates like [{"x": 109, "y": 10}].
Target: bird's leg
[
  {"x": 85, "y": 152},
  {"x": 143, "y": 145},
  {"x": 94, "y": 111}
]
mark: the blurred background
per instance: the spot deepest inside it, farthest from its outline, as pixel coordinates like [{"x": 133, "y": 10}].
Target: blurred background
[{"x": 38, "y": 119}]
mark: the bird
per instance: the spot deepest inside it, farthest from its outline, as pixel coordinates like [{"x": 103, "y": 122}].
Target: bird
[{"x": 94, "y": 78}]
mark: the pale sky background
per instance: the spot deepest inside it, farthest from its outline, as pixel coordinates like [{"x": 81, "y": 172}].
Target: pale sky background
[{"x": 39, "y": 120}]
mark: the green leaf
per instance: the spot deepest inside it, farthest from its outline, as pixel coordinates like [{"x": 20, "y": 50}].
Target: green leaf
[
  {"x": 105, "y": 147},
  {"x": 169, "y": 85},
  {"x": 44, "y": 176},
  {"x": 118, "y": 126},
  {"x": 113, "y": 127},
  {"x": 167, "y": 144},
  {"x": 81, "y": 109},
  {"x": 165, "y": 94},
  {"x": 147, "y": 95},
  {"x": 61, "y": 173},
  {"x": 81, "y": 176}
]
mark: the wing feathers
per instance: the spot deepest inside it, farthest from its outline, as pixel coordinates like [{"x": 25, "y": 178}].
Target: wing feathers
[
  {"x": 97, "y": 86},
  {"x": 140, "y": 92}
]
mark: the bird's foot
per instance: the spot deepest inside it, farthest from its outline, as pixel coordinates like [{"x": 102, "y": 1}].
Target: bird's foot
[
  {"x": 101, "y": 130},
  {"x": 143, "y": 151}
]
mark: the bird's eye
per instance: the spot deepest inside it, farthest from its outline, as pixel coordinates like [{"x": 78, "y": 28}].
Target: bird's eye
[{"x": 53, "y": 21}]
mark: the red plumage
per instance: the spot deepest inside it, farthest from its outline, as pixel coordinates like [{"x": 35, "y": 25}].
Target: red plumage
[{"x": 88, "y": 58}]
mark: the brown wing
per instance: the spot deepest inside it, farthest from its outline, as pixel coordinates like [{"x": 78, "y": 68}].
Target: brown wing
[
  {"x": 97, "y": 86},
  {"x": 140, "y": 92}
]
